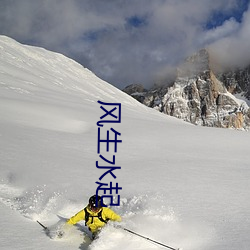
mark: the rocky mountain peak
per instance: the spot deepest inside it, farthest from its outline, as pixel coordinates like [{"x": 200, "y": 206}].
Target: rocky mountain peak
[
  {"x": 196, "y": 64},
  {"x": 200, "y": 96}
]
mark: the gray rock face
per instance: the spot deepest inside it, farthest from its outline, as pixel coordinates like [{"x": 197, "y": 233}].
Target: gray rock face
[
  {"x": 237, "y": 81},
  {"x": 200, "y": 97}
]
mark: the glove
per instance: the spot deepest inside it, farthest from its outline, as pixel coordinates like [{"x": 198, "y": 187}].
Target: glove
[
  {"x": 118, "y": 226},
  {"x": 62, "y": 229}
]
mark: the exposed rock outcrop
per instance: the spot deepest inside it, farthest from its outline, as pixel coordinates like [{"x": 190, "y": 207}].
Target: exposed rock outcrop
[{"x": 201, "y": 97}]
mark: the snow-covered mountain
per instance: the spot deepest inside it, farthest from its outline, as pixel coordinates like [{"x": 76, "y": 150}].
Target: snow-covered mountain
[
  {"x": 201, "y": 95},
  {"x": 182, "y": 185}
]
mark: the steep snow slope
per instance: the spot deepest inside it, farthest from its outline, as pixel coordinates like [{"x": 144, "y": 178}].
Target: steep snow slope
[{"x": 184, "y": 186}]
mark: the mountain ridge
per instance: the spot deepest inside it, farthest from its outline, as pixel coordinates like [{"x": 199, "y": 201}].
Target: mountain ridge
[{"x": 200, "y": 95}]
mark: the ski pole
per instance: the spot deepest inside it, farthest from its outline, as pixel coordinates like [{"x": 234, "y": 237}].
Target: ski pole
[
  {"x": 45, "y": 228},
  {"x": 150, "y": 239}
]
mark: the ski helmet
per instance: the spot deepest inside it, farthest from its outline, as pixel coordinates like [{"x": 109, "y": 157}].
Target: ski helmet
[{"x": 95, "y": 201}]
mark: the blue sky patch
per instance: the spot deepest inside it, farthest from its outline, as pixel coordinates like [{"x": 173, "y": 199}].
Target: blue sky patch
[
  {"x": 219, "y": 17},
  {"x": 136, "y": 21}
]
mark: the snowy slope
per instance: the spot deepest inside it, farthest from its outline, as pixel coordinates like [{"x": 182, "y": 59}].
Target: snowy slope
[{"x": 183, "y": 185}]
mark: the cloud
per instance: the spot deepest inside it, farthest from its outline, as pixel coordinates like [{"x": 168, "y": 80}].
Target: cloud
[
  {"x": 121, "y": 41},
  {"x": 233, "y": 49},
  {"x": 228, "y": 28}
]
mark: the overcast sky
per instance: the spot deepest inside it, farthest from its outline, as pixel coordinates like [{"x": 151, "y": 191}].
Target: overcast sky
[{"x": 131, "y": 41}]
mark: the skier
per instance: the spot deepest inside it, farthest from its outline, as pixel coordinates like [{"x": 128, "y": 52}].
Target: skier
[{"x": 95, "y": 215}]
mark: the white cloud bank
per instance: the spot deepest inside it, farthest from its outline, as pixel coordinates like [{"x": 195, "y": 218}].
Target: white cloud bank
[{"x": 130, "y": 41}]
